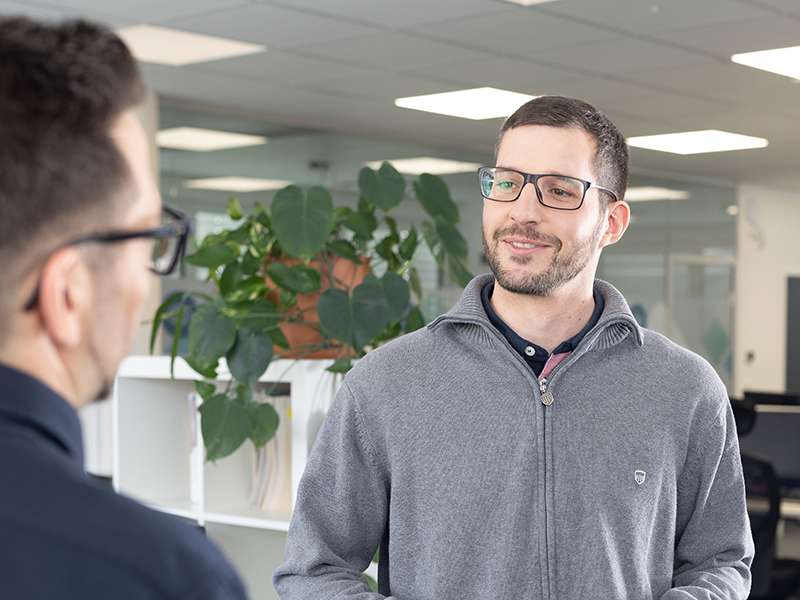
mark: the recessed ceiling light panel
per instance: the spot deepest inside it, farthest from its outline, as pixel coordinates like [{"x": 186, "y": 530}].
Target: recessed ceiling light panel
[
  {"x": 476, "y": 104},
  {"x": 175, "y": 48},
  {"x": 529, "y": 2},
  {"x": 644, "y": 193},
  {"x": 203, "y": 140},
  {"x": 236, "y": 184},
  {"x": 697, "y": 142},
  {"x": 783, "y": 61},
  {"x": 427, "y": 164}
]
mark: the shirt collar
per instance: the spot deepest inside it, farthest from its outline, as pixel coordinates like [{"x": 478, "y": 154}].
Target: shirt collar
[
  {"x": 31, "y": 403},
  {"x": 535, "y": 355}
]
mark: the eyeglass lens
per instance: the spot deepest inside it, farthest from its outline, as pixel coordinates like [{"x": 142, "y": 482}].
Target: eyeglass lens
[{"x": 554, "y": 191}]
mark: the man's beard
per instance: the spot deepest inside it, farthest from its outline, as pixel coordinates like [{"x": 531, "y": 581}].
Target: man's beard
[{"x": 562, "y": 268}]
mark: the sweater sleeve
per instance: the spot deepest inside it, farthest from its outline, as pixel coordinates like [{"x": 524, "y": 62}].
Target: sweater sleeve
[
  {"x": 340, "y": 515},
  {"x": 714, "y": 547}
]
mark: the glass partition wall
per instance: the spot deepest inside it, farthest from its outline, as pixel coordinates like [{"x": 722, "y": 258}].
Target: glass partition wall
[{"x": 675, "y": 264}]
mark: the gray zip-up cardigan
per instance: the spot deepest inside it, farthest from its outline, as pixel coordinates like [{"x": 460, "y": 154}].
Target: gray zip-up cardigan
[{"x": 438, "y": 449}]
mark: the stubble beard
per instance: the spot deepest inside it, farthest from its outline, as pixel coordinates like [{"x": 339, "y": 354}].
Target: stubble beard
[{"x": 563, "y": 267}]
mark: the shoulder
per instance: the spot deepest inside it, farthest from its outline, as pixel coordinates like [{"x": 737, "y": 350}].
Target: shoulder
[{"x": 66, "y": 524}]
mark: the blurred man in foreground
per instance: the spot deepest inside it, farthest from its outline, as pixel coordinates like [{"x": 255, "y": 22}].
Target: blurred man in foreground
[{"x": 82, "y": 230}]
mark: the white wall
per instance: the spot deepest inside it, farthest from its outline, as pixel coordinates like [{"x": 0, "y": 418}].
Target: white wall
[{"x": 768, "y": 251}]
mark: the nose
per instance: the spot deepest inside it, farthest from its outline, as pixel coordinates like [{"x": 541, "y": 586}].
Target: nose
[{"x": 527, "y": 208}]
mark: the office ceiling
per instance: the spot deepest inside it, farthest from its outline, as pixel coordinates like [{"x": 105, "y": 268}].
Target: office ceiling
[{"x": 654, "y": 66}]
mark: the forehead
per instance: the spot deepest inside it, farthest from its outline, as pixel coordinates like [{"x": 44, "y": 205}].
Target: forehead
[{"x": 543, "y": 149}]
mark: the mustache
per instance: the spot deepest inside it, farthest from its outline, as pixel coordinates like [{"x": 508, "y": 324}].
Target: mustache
[{"x": 530, "y": 233}]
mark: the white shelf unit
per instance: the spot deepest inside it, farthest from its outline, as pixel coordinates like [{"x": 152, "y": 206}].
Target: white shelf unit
[{"x": 158, "y": 455}]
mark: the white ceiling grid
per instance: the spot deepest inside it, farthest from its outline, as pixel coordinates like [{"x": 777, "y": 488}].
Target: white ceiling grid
[{"x": 654, "y": 66}]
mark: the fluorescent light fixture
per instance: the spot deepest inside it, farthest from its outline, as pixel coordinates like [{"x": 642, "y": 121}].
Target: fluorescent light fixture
[
  {"x": 175, "y": 48},
  {"x": 236, "y": 184},
  {"x": 783, "y": 61},
  {"x": 528, "y": 2},
  {"x": 427, "y": 164},
  {"x": 697, "y": 142},
  {"x": 203, "y": 140},
  {"x": 649, "y": 192},
  {"x": 476, "y": 104}
]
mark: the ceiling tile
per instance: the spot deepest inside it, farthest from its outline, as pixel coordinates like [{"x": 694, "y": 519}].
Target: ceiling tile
[
  {"x": 526, "y": 77},
  {"x": 519, "y": 32},
  {"x": 619, "y": 56},
  {"x": 141, "y": 11},
  {"x": 287, "y": 68},
  {"x": 638, "y": 17},
  {"x": 391, "y": 51},
  {"x": 270, "y": 25},
  {"x": 384, "y": 88},
  {"x": 727, "y": 39},
  {"x": 14, "y": 9},
  {"x": 407, "y": 13}
]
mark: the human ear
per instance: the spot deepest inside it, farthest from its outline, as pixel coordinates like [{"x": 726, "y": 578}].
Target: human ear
[
  {"x": 65, "y": 297},
  {"x": 616, "y": 222}
]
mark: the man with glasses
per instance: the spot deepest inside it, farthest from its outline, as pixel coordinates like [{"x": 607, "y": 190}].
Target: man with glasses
[
  {"x": 82, "y": 230},
  {"x": 535, "y": 441}
]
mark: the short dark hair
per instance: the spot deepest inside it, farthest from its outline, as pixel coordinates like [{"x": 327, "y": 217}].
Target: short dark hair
[
  {"x": 611, "y": 162},
  {"x": 62, "y": 86}
]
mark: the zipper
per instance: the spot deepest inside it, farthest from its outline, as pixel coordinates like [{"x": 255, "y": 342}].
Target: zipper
[{"x": 547, "y": 397}]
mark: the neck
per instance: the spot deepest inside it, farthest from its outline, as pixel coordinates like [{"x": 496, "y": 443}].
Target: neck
[
  {"x": 545, "y": 320},
  {"x": 36, "y": 357}
]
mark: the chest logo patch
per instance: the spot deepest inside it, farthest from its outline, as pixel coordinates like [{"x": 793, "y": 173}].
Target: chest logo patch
[{"x": 639, "y": 476}]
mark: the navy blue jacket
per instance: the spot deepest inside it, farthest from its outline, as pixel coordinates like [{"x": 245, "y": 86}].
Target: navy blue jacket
[{"x": 64, "y": 536}]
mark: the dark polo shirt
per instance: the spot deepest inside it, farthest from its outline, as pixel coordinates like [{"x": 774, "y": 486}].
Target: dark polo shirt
[
  {"x": 65, "y": 537},
  {"x": 535, "y": 356}
]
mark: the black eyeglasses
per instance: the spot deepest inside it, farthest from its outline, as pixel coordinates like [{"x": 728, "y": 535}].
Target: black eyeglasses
[
  {"x": 554, "y": 191},
  {"x": 169, "y": 242}
]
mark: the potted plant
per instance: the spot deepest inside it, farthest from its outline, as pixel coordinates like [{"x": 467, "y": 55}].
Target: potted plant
[{"x": 283, "y": 268}]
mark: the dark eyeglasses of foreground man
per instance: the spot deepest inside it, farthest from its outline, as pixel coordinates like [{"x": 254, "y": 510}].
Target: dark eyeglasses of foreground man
[{"x": 82, "y": 231}]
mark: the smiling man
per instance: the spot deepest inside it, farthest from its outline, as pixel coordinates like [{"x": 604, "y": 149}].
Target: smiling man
[
  {"x": 82, "y": 231},
  {"x": 534, "y": 442}
]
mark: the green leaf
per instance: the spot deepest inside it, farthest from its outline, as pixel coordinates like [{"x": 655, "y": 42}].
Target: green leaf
[
  {"x": 299, "y": 278},
  {"x": 384, "y": 188},
  {"x": 262, "y": 316},
  {"x": 409, "y": 245},
  {"x": 394, "y": 235},
  {"x": 416, "y": 282},
  {"x": 247, "y": 290},
  {"x": 344, "y": 249},
  {"x": 341, "y": 365},
  {"x": 159, "y": 316},
  {"x": 302, "y": 222},
  {"x": 363, "y": 224},
  {"x": 261, "y": 215},
  {"x": 434, "y": 196},
  {"x": 235, "y": 209},
  {"x": 225, "y": 424},
  {"x": 264, "y": 422},
  {"x": 251, "y": 261},
  {"x": 231, "y": 276},
  {"x": 239, "y": 235},
  {"x": 278, "y": 338},
  {"x": 250, "y": 355},
  {"x": 211, "y": 336},
  {"x": 205, "y": 389},
  {"x": 259, "y": 239},
  {"x": 209, "y": 371},
  {"x": 459, "y": 271},
  {"x": 397, "y": 295},
  {"x": 415, "y": 320},
  {"x": 384, "y": 249},
  {"x": 214, "y": 256},
  {"x": 354, "y": 319}
]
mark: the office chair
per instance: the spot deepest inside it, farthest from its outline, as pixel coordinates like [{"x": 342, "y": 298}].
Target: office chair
[{"x": 773, "y": 578}]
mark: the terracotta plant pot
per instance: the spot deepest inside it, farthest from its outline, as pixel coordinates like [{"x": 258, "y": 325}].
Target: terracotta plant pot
[{"x": 347, "y": 275}]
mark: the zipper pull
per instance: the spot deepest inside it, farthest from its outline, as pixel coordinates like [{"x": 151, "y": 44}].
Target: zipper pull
[{"x": 547, "y": 397}]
